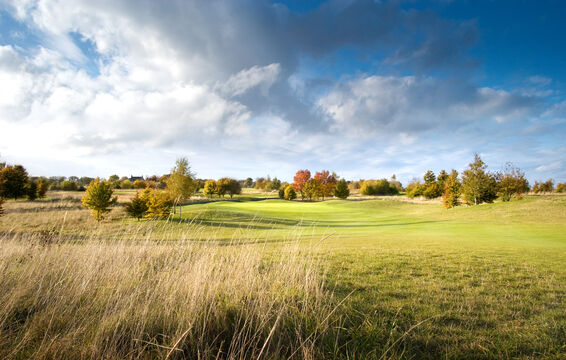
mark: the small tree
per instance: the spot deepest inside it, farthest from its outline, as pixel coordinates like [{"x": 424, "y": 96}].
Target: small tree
[
  {"x": 31, "y": 189},
  {"x": 341, "y": 191},
  {"x": 290, "y": 193},
  {"x": 98, "y": 198},
  {"x": 511, "y": 182},
  {"x": 180, "y": 181},
  {"x": 41, "y": 189},
  {"x": 452, "y": 190},
  {"x": 234, "y": 187},
  {"x": 209, "y": 188},
  {"x": 15, "y": 179},
  {"x": 159, "y": 204},
  {"x": 327, "y": 182},
  {"x": 222, "y": 186},
  {"x": 312, "y": 189},
  {"x": 137, "y": 207},
  {"x": 478, "y": 185},
  {"x": 560, "y": 188}
]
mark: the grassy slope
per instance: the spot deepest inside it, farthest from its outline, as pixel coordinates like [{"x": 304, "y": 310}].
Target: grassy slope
[{"x": 487, "y": 281}]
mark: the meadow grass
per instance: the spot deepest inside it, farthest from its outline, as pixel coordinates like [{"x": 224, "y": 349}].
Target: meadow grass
[{"x": 370, "y": 279}]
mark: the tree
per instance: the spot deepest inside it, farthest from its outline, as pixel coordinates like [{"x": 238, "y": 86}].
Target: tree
[
  {"x": 327, "y": 183},
  {"x": 282, "y": 193},
  {"x": 69, "y": 186},
  {"x": 432, "y": 189},
  {"x": 222, "y": 186},
  {"x": 180, "y": 181},
  {"x": 139, "y": 184},
  {"x": 300, "y": 180},
  {"x": 1, "y": 207},
  {"x": 511, "y": 182},
  {"x": 341, "y": 191},
  {"x": 249, "y": 182},
  {"x": 41, "y": 189},
  {"x": 114, "y": 180},
  {"x": 209, "y": 188},
  {"x": 275, "y": 184},
  {"x": 137, "y": 207},
  {"x": 478, "y": 185},
  {"x": 31, "y": 190},
  {"x": 312, "y": 189},
  {"x": 98, "y": 198},
  {"x": 560, "y": 188},
  {"x": 234, "y": 187},
  {"x": 1, "y": 191},
  {"x": 159, "y": 204},
  {"x": 452, "y": 190},
  {"x": 290, "y": 193},
  {"x": 415, "y": 188},
  {"x": 15, "y": 179},
  {"x": 126, "y": 184}
]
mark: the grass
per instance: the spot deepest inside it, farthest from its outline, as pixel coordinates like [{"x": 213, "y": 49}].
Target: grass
[{"x": 413, "y": 280}]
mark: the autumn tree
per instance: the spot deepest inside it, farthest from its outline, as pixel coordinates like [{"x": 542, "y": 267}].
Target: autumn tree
[
  {"x": 326, "y": 181},
  {"x": 511, "y": 182},
  {"x": 15, "y": 180},
  {"x": 126, "y": 184},
  {"x": 452, "y": 190},
  {"x": 234, "y": 187},
  {"x": 159, "y": 204},
  {"x": 560, "y": 188},
  {"x": 41, "y": 189},
  {"x": 290, "y": 193},
  {"x": 478, "y": 185},
  {"x": 209, "y": 188},
  {"x": 300, "y": 180},
  {"x": 341, "y": 191},
  {"x": 139, "y": 184},
  {"x": 137, "y": 207},
  {"x": 312, "y": 189},
  {"x": 98, "y": 198},
  {"x": 222, "y": 186},
  {"x": 180, "y": 181},
  {"x": 68, "y": 185}
]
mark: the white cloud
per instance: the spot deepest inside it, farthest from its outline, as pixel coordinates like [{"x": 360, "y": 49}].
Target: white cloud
[{"x": 262, "y": 77}]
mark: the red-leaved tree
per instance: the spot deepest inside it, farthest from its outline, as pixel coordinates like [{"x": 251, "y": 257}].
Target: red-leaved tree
[
  {"x": 300, "y": 180},
  {"x": 327, "y": 182}
]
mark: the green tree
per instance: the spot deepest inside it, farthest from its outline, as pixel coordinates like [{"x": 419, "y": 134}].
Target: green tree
[
  {"x": 159, "y": 204},
  {"x": 98, "y": 198},
  {"x": 137, "y": 207},
  {"x": 341, "y": 191},
  {"x": 126, "y": 184},
  {"x": 452, "y": 190},
  {"x": 15, "y": 180},
  {"x": 275, "y": 184},
  {"x": 180, "y": 181},
  {"x": 478, "y": 185},
  {"x": 114, "y": 180},
  {"x": 249, "y": 182},
  {"x": 290, "y": 193},
  {"x": 222, "y": 186},
  {"x": 282, "y": 193},
  {"x": 31, "y": 190}
]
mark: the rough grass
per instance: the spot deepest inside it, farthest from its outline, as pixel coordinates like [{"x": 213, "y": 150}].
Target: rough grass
[{"x": 412, "y": 280}]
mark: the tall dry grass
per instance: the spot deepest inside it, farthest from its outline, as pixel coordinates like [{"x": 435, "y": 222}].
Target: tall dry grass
[{"x": 128, "y": 298}]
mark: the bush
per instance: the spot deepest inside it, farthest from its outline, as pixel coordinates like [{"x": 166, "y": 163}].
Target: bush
[
  {"x": 290, "y": 193},
  {"x": 159, "y": 204},
  {"x": 98, "y": 198},
  {"x": 341, "y": 191},
  {"x": 379, "y": 187},
  {"x": 137, "y": 207},
  {"x": 126, "y": 184},
  {"x": 69, "y": 186},
  {"x": 140, "y": 184}
]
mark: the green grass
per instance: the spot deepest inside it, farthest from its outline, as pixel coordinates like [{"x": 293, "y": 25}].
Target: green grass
[{"x": 481, "y": 282}]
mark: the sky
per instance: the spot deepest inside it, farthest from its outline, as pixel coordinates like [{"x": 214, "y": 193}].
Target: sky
[{"x": 364, "y": 88}]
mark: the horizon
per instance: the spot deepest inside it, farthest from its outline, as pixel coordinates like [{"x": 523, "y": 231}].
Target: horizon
[{"x": 362, "y": 88}]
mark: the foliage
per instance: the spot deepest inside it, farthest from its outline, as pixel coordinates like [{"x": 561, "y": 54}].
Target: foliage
[
  {"x": 31, "y": 190},
  {"x": 234, "y": 187},
  {"x": 560, "y": 188},
  {"x": 511, "y": 182},
  {"x": 415, "y": 189},
  {"x": 98, "y": 198},
  {"x": 209, "y": 188},
  {"x": 2, "y": 181},
  {"x": 15, "y": 180},
  {"x": 1, "y": 207},
  {"x": 312, "y": 189},
  {"x": 432, "y": 188},
  {"x": 290, "y": 193},
  {"x": 159, "y": 204},
  {"x": 543, "y": 187},
  {"x": 249, "y": 182},
  {"x": 139, "y": 184},
  {"x": 478, "y": 185},
  {"x": 70, "y": 186},
  {"x": 180, "y": 181},
  {"x": 222, "y": 186},
  {"x": 378, "y": 187},
  {"x": 341, "y": 191},
  {"x": 452, "y": 190},
  {"x": 327, "y": 183},
  {"x": 41, "y": 189},
  {"x": 127, "y": 184},
  {"x": 281, "y": 193},
  {"x": 300, "y": 180},
  {"x": 137, "y": 207},
  {"x": 274, "y": 184}
]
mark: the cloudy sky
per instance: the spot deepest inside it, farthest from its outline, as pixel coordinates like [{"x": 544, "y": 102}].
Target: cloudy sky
[{"x": 249, "y": 88}]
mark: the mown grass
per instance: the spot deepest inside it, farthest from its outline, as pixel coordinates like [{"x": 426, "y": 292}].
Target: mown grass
[{"x": 416, "y": 280}]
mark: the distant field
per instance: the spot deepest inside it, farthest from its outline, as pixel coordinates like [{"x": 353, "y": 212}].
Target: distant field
[{"x": 416, "y": 280}]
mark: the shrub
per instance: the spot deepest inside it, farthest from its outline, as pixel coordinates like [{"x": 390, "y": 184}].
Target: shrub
[
  {"x": 290, "y": 193},
  {"x": 137, "y": 207},
  {"x": 341, "y": 191},
  {"x": 31, "y": 189},
  {"x": 41, "y": 189},
  {"x": 69, "y": 186},
  {"x": 159, "y": 204},
  {"x": 126, "y": 184},
  {"x": 139, "y": 184}
]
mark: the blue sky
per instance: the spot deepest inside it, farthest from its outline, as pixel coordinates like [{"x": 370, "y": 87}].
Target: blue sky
[{"x": 364, "y": 88}]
